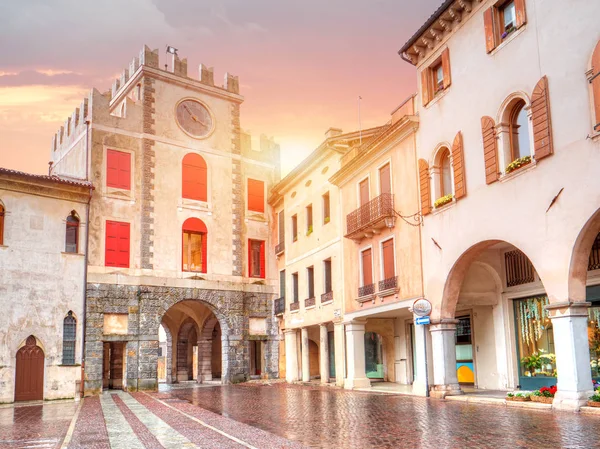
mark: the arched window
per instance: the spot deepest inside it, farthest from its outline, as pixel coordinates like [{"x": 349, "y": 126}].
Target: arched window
[
  {"x": 1, "y": 224},
  {"x": 519, "y": 131},
  {"x": 194, "y": 246},
  {"x": 194, "y": 177},
  {"x": 72, "y": 233},
  {"x": 445, "y": 173},
  {"x": 69, "y": 333}
]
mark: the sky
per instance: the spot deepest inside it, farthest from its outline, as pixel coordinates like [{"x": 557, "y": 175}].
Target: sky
[{"x": 301, "y": 64}]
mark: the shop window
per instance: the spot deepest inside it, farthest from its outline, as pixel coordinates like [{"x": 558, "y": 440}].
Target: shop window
[
  {"x": 256, "y": 258},
  {"x": 309, "y": 219},
  {"x": 294, "y": 228},
  {"x": 72, "y": 233},
  {"x": 465, "y": 370},
  {"x": 69, "y": 334},
  {"x": 256, "y": 195},
  {"x": 326, "y": 208},
  {"x": 594, "y": 80},
  {"x": 519, "y": 269},
  {"x": 118, "y": 169},
  {"x": 117, "y": 244},
  {"x": 374, "y": 356},
  {"x": 194, "y": 177},
  {"x": 501, "y": 20},
  {"x": 194, "y": 245},
  {"x": 436, "y": 78},
  {"x": 594, "y": 339}
]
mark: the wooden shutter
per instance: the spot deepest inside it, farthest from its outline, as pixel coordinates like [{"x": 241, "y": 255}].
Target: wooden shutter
[
  {"x": 118, "y": 169},
  {"x": 488, "y": 24},
  {"x": 295, "y": 286},
  {"x": 282, "y": 284},
  {"x": 327, "y": 276},
  {"x": 367, "y": 268},
  {"x": 458, "y": 167},
  {"x": 542, "y": 124},
  {"x": 311, "y": 282},
  {"x": 424, "y": 187},
  {"x": 263, "y": 264},
  {"x": 194, "y": 178},
  {"x": 256, "y": 195},
  {"x": 490, "y": 150},
  {"x": 364, "y": 192},
  {"x": 385, "y": 181},
  {"x": 388, "y": 259},
  {"x": 520, "y": 13},
  {"x": 446, "y": 68},
  {"x": 117, "y": 244},
  {"x": 596, "y": 86},
  {"x": 425, "y": 90}
]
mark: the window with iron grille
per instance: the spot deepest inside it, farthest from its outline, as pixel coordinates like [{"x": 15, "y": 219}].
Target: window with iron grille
[
  {"x": 594, "y": 263},
  {"x": 69, "y": 331},
  {"x": 519, "y": 269}
]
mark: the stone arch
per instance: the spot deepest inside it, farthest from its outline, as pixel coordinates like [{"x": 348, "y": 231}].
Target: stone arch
[
  {"x": 578, "y": 266},
  {"x": 203, "y": 297}
]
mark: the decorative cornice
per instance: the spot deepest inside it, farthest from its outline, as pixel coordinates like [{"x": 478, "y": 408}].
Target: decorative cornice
[{"x": 46, "y": 187}]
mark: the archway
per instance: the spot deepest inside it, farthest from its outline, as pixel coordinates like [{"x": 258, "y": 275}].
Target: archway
[{"x": 29, "y": 378}]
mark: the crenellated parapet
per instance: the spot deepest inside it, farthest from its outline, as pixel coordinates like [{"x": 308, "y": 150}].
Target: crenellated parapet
[{"x": 73, "y": 126}]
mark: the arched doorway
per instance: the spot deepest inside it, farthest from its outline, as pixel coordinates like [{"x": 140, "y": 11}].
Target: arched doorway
[{"x": 29, "y": 379}]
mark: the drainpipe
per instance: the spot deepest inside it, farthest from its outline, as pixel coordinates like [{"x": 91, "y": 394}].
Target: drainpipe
[{"x": 87, "y": 236}]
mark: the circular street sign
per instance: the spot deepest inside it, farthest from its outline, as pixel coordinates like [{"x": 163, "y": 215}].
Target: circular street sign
[{"x": 421, "y": 307}]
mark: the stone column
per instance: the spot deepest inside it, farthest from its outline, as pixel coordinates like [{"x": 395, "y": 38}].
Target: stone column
[
  {"x": 569, "y": 323},
  {"x": 339, "y": 343},
  {"x": 443, "y": 346},
  {"x": 204, "y": 360},
  {"x": 324, "y": 354},
  {"x": 355, "y": 355},
  {"x": 291, "y": 355},
  {"x": 305, "y": 356},
  {"x": 421, "y": 382}
]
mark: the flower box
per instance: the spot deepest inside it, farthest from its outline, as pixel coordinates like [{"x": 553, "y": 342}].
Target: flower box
[
  {"x": 443, "y": 201},
  {"x": 593, "y": 404},
  {"x": 542, "y": 399},
  {"x": 521, "y": 398},
  {"x": 517, "y": 163}
]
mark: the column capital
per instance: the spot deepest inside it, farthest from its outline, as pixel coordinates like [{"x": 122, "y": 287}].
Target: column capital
[
  {"x": 355, "y": 321},
  {"x": 323, "y": 325},
  {"x": 290, "y": 331},
  {"x": 568, "y": 309},
  {"x": 443, "y": 327}
]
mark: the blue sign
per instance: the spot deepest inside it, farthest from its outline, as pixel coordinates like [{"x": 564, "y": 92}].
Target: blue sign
[{"x": 422, "y": 320}]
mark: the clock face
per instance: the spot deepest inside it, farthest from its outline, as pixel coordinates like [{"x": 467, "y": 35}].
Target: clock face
[{"x": 194, "y": 118}]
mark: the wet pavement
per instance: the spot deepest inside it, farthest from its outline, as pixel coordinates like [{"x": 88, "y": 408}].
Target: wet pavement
[{"x": 286, "y": 416}]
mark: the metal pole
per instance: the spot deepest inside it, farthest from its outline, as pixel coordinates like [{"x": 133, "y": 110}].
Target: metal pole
[{"x": 426, "y": 369}]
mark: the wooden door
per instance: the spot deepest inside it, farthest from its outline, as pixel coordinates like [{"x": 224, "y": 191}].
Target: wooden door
[
  {"x": 116, "y": 366},
  {"x": 29, "y": 382}
]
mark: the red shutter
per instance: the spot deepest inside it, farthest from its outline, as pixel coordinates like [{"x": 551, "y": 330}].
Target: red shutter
[
  {"x": 446, "y": 68},
  {"x": 117, "y": 244},
  {"x": 542, "y": 124},
  {"x": 256, "y": 195},
  {"x": 490, "y": 149},
  {"x": 460, "y": 187},
  {"x": 488, "y": 24},
  {"x": 125, "y": 170},
  {"x": 520, "y": 13},
  {"x": 194, "y": 177},
  {"x": 425, "y": 94},
  {"x": 424, "y": 187},
  {"x": 596, "y": 85},
  {"x": 249, "y": 258},
  {"x": 367, "y": 267},
  {"x": 204, "y": 252},
  {"x": 388, "y": 259},
  {"x": 263, "y": 267},
  {"x": 118, "y": 169}
]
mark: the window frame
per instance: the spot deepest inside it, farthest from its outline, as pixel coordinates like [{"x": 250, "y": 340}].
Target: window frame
[
  {"x": 379, "y": 168},
  {"x": 294, "y": 227},
  {"x": 72, "y": 223},
  {"x": 72, "y": 342},
  {"x": 309, "y": 219},
  {"x": 325, "y": 262},
  {"x": 295, "y": 287},
  {"x": 447, "y": 159},
  {"x": 262, "y": 261},
  {"x": 106, "y": 224},
  {"x": 310, "y": 281}
]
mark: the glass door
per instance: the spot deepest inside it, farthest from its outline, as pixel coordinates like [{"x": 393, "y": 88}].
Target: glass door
[
  {"x": 465, "y": 369},
  {"x": 331, "y": 342},
  {"x": 373, "y": 355}
]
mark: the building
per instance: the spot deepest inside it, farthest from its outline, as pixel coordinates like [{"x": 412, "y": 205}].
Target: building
[
  {"x": 179, "y": 229},
  {"x": 509, "y": 150},
  {"x": 381, "y": 252},
  {"x": 42, "y": 266},
  {"x": 310, "y": 263}
]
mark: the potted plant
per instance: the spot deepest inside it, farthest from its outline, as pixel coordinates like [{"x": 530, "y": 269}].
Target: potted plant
[
  {"x": 508, "y": 31},
  {"x": 443, "y": 201},
  {"x": 326, "y": 220},
  {"x": 594, "y": 401},
  {"x": 510, "y": 396},
  {"x": 517, "y": 163},
  {"x": 545, "y": 395},
  {"x": 522, "y": 397},
  {"x": 309, "y": 231}
]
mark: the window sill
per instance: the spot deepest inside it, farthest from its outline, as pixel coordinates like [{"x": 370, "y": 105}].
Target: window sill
[
  {"x": 327, "y": 302},
  {"x": 388, "y": 292},
  {"x": 295, "y": 311},
  {"x": 441, "y": 209},
  {"x": 255, "y": 216},
  {"x": 118, "y": 194},
  {"x": 309, "y": 307},
  {"x": 186, "y": 203},
  {"x": 441, "y": 94},
  {"x": 507, "y": 40},
  {"x": 518, "y": 172},
  {"x": 69, "y": 365},
  {"x": 363, "y": 299},
  {"x": 3, "y": 246},
  {"x": 72, "y": 254}
]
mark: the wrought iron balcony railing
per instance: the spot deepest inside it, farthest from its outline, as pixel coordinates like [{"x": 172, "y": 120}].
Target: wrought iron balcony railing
[
  {"x": 279, "y": 306},
  {"x": 388, "y": 285},
  {"x": 309, "y": 302},
  {"x": 370, "y": 216},
  {"x": 326, "y": 297},
  {"x": 279, "y": 248},
  {"x": 366, "y": 290},
  {"x": 295, "y": 305}
]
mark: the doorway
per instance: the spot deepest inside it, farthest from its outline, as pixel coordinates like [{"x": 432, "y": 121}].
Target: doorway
[
  {"x": 113, "y": 365},
  {"x": 465, "y": 369},
  {"x": 256, "y": 358},
  {"x": 331, "y": 346},
  {"x": 29, "y": 382},
  {"x": 374, "y": 355}
]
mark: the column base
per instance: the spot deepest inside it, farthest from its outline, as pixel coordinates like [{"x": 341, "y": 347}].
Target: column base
[
  {"x": 351, "y": 384},
  {"x": 570, "y": 400},
  {"x": 441, "y": 391},
  {"x": 419, "y": 389}
]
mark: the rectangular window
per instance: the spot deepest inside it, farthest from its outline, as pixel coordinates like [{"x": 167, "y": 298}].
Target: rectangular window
[
  {"x": 194, "y": 251},
  {"x": 326, "y": 209},
  {"x": 310, "y": 274},
  {"x": 309, "y": 220},
  {"x": 281, "y": 227},
  {"x": 501, "y": 20},
  {"x": 256, "y": 195},
  {"x": 327, "y": 275},
  {"x": 282, "y": 284},
  {"x": 118, "y": 169},
  {"x": 117, "y": 244},
  {"x": 508, "y": 16},
  {"x": 72, "y": 235},
  {"x": 295, "y": 228},
  {"x": 436, "y": 77},
  {"x": 256, "y": 258},
  {"x": 385, "y": 179},
  {"x": 387, "y": 249},
  {"x": 295, "y": 286},
  {"x": 367, "y": 267}
]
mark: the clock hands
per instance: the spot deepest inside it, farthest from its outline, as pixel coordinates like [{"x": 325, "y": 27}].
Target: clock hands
[{"x": 196, "y": 119}]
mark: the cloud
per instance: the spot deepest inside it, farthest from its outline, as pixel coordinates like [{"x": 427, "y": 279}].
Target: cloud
[{"x": 39, "y": 77}]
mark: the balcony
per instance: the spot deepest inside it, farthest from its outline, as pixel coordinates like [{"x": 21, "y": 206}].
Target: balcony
[
  {"x": 279, "y": 306},
  {"x": 294, "y": 306},
  {"x": 368, "y": 219},
  {"x": 326, "y": 297},
  {"x": 366, "y": 293},
  {"x": 280, "y": 248},
  {"x": 388, "y": 287},
  {"x": 309, "y": 302}
]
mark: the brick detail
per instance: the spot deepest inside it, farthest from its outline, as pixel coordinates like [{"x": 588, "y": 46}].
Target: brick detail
[
  {"x": 458, "y": 167},
  {"x": 424, "y": 187},
  {"x": 148, "y": 166},
  {"x": 542, "y": 123},
  {"x": 237, "y": 194},
  {"x": 490, "y": 149}
]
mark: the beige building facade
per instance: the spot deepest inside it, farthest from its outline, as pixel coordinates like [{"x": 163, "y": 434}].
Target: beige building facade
[{"x": 42, "y": 266}]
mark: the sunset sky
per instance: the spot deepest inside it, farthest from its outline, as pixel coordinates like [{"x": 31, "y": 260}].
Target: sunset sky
[{"x": 301, "y": 64}]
